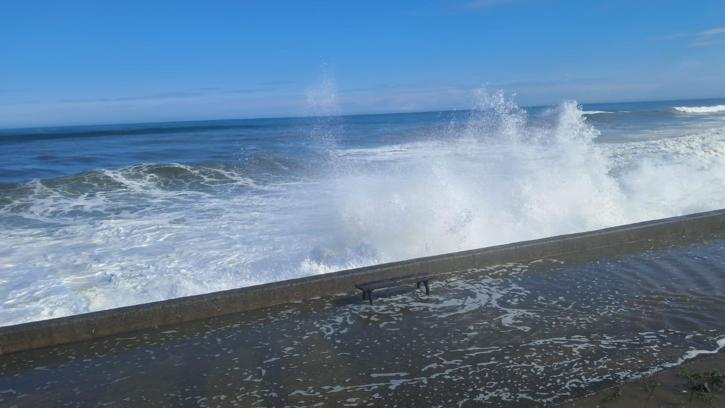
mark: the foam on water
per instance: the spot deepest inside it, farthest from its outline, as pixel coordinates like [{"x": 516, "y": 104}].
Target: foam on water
[
  {"x": 700, "y": 109},
  {"x": 151, "y": 232},
  {"x": 594, "y": 112}
]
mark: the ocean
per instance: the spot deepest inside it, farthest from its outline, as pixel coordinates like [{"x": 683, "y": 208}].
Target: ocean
[{"x": 96, "y": 217}]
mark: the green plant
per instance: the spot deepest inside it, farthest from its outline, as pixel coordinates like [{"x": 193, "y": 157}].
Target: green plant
[
  {"x": 650, "y": 385},
  {"x": 703, "y": 385},
  {"x": 616, "y": 393}
]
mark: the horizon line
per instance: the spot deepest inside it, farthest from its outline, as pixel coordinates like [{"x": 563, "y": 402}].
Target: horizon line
[{"x": 26, "y": 128}]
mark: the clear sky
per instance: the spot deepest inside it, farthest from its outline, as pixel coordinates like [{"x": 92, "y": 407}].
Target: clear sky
[{"x": 111, "y": 61}]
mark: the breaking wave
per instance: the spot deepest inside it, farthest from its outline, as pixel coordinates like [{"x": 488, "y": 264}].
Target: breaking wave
[
  {"x": 700, "y": 109},
  {"x": 503, "y": 178}
]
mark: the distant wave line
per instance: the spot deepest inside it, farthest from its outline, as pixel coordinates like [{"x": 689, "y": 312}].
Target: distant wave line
[
  {"x": 49, "y": 134},
  {"x": 700, "y": 109}
]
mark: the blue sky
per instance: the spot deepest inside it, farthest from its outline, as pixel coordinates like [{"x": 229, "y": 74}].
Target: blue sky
[{"x": 97, "y": 61}]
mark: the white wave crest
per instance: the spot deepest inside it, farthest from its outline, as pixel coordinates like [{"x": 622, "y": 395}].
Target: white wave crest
[{"x": 700, "y": 109}]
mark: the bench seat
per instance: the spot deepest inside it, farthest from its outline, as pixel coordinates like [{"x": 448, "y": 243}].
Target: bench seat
[{"x": 368, "y": 287}]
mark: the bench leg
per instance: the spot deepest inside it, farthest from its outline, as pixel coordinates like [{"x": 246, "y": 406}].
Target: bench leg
[
  {"x": 370, "y": 296},
  {"x": 427, "y": 289},
  {"x": 365, "y": 294},
  {"x": 417, "y": 285}
]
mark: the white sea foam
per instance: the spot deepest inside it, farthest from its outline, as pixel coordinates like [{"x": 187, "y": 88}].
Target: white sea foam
[
  {"x": 594, "y": 112},
  {"x": 497, "y": 179},
  {"x": 690, "y": 354},
  {"x": 700, "y": 109}
]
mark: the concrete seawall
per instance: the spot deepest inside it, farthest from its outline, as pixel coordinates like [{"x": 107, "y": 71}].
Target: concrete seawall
[{"x": 127, "y": 319}]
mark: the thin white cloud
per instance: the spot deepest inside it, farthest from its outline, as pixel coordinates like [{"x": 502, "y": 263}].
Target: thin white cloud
[
  {"x": 705, "y": 38},
  {"x": 713, "y": 31},
  {"x": 701, "y": 44},
  {"x": 708, "y": 38}
]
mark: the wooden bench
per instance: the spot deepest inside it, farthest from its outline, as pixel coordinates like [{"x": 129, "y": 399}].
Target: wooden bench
[{"x": 367, "y": 288}]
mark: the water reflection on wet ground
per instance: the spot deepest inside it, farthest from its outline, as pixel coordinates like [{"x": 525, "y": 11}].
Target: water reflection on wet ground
[{"x": 517, "y": 334}]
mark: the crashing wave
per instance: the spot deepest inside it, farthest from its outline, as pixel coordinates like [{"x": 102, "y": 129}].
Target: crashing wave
[{"x": 700, "y": 109}]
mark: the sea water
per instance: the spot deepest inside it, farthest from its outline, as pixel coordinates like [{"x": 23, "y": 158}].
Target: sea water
[{"x": 96, "y": 217}]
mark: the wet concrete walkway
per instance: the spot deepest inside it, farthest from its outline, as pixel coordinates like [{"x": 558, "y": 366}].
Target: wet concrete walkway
[{"x": 515, "y": 334}]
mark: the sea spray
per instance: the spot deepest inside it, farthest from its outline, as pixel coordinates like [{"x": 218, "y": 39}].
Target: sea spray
[
  {"x": 500, "y": 180},
  {"x": 324, "y": 108}
]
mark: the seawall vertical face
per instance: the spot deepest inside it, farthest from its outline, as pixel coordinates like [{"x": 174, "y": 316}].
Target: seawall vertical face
[{"x": 147, "y": 316}]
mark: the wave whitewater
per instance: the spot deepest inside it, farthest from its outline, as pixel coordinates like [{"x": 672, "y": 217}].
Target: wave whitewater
[{"x": 700, "y": 109}]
